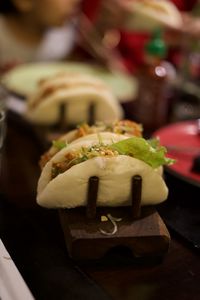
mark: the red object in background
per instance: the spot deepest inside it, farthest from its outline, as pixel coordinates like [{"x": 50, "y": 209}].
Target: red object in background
[
  {"x": 91, "y": 8},
  {"x": 184, "y": 5},
  {"x": 182, "y": 139},
  {"x": 131, "y": 45}
]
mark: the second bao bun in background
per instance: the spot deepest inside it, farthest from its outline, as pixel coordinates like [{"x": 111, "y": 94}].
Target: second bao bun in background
[
  {"x": 148, "y": 15},
  {"x": 77, "y": 92}
]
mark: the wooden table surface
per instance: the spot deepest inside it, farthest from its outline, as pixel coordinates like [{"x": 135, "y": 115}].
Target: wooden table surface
[{"x": 34, "y": 238}]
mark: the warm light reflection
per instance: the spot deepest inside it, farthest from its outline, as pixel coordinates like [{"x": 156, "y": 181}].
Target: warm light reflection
[{"x": 160, "y": 71}]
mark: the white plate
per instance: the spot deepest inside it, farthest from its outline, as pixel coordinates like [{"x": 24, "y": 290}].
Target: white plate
[
  {"x": 12, "y": 285},
  {"x": 23, "y": 79}
]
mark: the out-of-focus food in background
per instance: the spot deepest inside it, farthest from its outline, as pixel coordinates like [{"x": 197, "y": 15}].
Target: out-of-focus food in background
[{"x": 70, "y": 96}]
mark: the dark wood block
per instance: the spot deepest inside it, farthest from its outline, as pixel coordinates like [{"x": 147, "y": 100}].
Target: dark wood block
[{"x": 145, "y": 237}]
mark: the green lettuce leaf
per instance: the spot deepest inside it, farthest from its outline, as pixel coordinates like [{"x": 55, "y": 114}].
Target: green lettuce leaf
[
  {"x": 59, "y": 144},
  {"x": 149, "y": 151}
]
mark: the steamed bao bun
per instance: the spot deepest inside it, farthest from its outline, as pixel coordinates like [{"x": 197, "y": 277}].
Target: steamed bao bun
[
  {"x": 77, "y": 91},
  {"x": 69, "y": 189},
  {"x": 149, "y": 15}
]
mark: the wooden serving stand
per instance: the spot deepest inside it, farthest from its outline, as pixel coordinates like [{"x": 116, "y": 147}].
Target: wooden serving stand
[{"x": 141, "y": 229}]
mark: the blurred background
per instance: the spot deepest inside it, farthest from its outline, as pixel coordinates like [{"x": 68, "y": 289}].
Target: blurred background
[
  {"x": 135, "y": 38},
  {"x": 139, "y": 60}
]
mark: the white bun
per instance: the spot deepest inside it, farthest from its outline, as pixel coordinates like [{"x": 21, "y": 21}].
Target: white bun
[
  {"x": 149, "y": 15},
  {"x": 78, "y": 93},
  {"x": 69, "y": 190},
  {"x": 85, "y": 141},
  {"x": 107, "y": 138}
]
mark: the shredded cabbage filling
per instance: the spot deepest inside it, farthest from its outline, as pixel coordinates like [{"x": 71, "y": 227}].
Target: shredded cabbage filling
[{"x": 75, "y": 157}]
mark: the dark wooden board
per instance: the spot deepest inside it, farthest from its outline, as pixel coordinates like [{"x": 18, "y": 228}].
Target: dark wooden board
[{"x": 146, "y": 236}]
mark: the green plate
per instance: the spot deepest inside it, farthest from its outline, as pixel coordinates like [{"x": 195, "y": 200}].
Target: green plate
[{"x": 23, "y": 79}]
